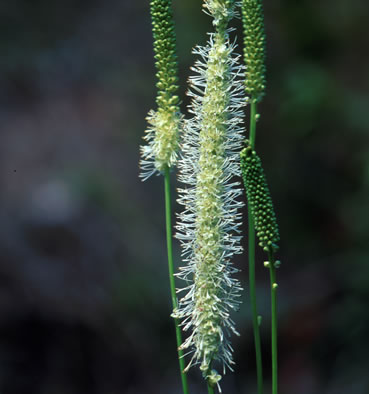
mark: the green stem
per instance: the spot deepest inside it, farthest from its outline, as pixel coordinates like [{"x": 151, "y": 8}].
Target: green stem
[
  {"x": 254, "y": 310},
  {"x": 273, "y": 289},
  {"x": 253, "y": 115},
  {"x": 255, "y": 319},
  {"x": 168, "y": 211},
  {"x": 210, "y": 389}
]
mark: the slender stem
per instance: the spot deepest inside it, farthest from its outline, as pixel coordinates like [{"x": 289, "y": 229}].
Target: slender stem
[
  {"x": 168, "y": 211},
  {"x": 273, "y": 289},
  {"x": 254, "y": 310},
  {"x": 255, "y": 320},
  {"x": 210, "y": 389},
  {"x": 253, "y": 114}
]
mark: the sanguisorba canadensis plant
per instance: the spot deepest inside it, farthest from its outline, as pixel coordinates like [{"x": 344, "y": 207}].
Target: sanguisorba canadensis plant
[
  {"x": 262, "y": 211},
  {"x": 261, "y": 214},
  {"x": 160, "y": 152},
  {"x": 254, "y": 56},
  {"x": 159, "y": 155},
  {"x": 208, "y": 227}
]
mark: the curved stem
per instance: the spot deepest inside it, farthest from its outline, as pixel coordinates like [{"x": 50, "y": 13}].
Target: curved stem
[
  {"x": 273, "y": 290},
  {"x": 254, "y": 310},
  {"x": 168, "y": 211}
]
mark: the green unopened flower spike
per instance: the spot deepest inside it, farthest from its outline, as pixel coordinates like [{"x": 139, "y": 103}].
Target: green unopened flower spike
[
  {"x": 254, "y": 48},
  {"x": 258, "y": 196},
  {"x": 160, "y": 151},
  {"x": 208, "y": 227}
]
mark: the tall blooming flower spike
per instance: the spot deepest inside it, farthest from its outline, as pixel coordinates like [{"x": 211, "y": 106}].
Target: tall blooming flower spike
[
  {"x": 258, "y": 196},
  {"x": 208, "y": 226},
  {"x": 162, "y": 134},
  {"x": 254, "y": 48}
]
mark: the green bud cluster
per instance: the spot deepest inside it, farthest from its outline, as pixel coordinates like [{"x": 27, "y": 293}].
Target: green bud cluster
[
  {"x": 165, "y": 54},
  {"x": 259, "y": 198},
  {"x": 254, "y": 48}
]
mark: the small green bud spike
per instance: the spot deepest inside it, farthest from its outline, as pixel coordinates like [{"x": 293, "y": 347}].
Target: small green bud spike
[
  {"x": 259, "y": 198},
  {"x": 165, "y": 53},
  {"x": 254, "y": 48}
]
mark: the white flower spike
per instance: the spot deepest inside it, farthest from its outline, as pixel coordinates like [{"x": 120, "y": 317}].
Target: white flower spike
[{"x": 208, "y": 227}]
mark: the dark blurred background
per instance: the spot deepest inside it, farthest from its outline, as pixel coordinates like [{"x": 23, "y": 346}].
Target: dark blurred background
[{"x": 84, "y": 295}]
